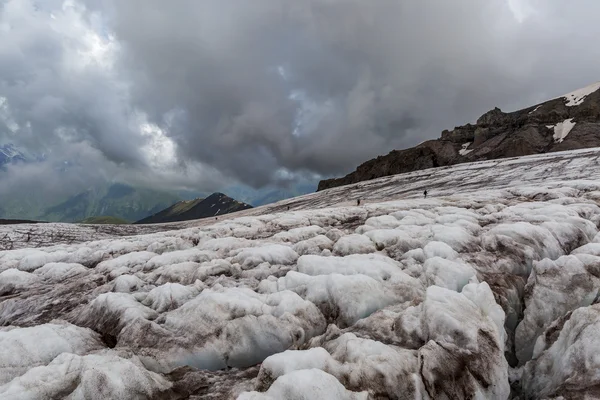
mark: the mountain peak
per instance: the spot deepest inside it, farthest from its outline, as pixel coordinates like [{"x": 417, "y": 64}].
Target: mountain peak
[{"x": 214, "y": 205}]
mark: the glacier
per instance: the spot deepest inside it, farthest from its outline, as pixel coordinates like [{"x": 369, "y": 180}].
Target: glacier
[{"x": 486, "y": 289}]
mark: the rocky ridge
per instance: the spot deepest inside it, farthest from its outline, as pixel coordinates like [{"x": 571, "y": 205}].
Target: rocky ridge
[
  {"x": 568, "y": 122},
  {"x": 213, "y": 206}
]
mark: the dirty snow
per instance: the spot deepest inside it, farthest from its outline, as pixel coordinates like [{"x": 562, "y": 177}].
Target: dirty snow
[{"x": 487, "y": 289}]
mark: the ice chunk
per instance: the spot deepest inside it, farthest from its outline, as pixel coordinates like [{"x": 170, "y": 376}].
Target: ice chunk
[
  {"x": 127, "y": 284},
  {"x": 482, "y": 296},
  {"x": 354, "y": 244},
  {"x": 111, "y": 312},
  {"x": 454, "y": 327},
  {"x": 343, "y": 299},
  {"x": 12, "y": 280},
  {"x": 37, "y": 258},
  {"x": 95, "y": 377},
  {"x": 185, "y": 273},
  {"x": 174, "y": 257},
  {"x": 225, "y": 245},
  {"x": 25, "y": 348},
  {"x": 383, "y": 222},
  {"x": 125, "y": 262},
  {"x": 307, "y": 384},
  {"x": 458, "y": 238},
  {"x": 294, "y": 360},
  {"x": 314, "y": 245},
  {"x": 224, "y": 327},
  {"x": 452, "y": 275},
  {"x": 376, "y": 266},
  {"x": 590, "y": 248},
  {"x": 570, "y": 365},
  {"x": 384, "y": 238},
  {"x": 57, "y": 272},
  {"x": 523, "y": 241},
  {"x": 273, "y": 254},
  {"x": 553, "y": 289},
  {"x": 362, "y": 364},
  {"x": 452, "y": 319},
  {"x": 169, "y": 296},
  {"x": 299, "y": 234},
  {"x": 439, "y": 249}
]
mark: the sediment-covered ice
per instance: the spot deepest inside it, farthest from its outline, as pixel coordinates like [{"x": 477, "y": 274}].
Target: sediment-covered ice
[
  {"x": 566, "y": 363},
  {"x": 24, "y": 348},
  {"x": 403, "y": 298},
  {"x": 555, "y": 288},
  {"x": 94, "y": 376},
  {"x": 308, "y": 384}
]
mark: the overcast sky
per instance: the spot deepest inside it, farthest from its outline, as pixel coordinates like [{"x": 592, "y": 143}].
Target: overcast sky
[{"x": 206, "y": 93}]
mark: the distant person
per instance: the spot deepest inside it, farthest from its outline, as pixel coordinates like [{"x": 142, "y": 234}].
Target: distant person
[
  {"x": 425, "y": 194},
  {"x": 288, "y": 208},
  {"x": 358, "y": 202}
]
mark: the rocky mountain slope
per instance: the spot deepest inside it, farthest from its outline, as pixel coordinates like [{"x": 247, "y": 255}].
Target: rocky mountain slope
[
  {"x": 568, "y": 122},
  {"x": 487, "y": 292},
  {"x": 214, "y": 205}
]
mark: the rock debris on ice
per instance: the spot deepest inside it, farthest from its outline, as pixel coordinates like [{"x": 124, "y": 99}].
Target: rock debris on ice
[{"x": 478, "y": 292}]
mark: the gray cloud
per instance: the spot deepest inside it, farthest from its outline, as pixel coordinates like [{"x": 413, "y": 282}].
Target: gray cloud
[
  {"x": 55, "y": 94},
  {"x": 248, "y": 89},
  {"x": 372, "y": 76}
]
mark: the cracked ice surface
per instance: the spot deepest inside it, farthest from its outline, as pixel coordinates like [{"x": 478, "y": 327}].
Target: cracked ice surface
[{"x": 486, "y": 293}]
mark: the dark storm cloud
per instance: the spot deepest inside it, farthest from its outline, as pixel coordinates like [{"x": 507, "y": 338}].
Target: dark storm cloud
[
  {"x": 53, "y": 93},
  {"x": 248, "y": 89},
  {"x": 370, "y": 75},
  {"x": 62, "y": 99}
]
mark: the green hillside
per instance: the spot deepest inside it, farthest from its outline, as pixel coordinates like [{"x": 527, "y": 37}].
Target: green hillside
[
  {"x": 213, "y": 206},
  {"x": 117, "y": 200},
  {"x": 104, "y": 220}
]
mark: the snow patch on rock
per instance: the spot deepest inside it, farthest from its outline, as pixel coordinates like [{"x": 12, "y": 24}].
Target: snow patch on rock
[
  {"x": 465, "y": 149},
  {"x": 562, "y": 129}
]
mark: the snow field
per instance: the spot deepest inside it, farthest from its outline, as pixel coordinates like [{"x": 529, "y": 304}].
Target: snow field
[{"x": 436, "y": 298}]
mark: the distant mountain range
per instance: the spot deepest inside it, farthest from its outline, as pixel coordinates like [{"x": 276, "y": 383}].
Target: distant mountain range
[
  {"x": 117, "y": 200},
  {"x": 122, "y": 201},
  {"x": 214, "y": 205},
  {"x": 568, "y": 122}
]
